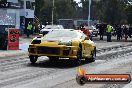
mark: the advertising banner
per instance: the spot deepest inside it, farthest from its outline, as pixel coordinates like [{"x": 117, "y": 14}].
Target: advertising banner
[{"x": 13, "y": 39}]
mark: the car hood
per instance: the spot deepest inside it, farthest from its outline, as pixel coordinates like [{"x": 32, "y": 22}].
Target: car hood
[{"x": 62, "y": 39}]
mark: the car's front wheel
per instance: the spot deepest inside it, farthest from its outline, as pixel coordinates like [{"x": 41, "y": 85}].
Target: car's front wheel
[
  {"x": 79, "y": 56},
  {"x": 33, "y": 59}
]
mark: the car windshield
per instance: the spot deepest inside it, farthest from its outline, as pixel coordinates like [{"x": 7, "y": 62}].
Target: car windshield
[{"x": 62, "y": 33}]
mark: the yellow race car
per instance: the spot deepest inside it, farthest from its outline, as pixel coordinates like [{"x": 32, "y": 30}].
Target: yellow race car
[{"x": 66, "y": 43}]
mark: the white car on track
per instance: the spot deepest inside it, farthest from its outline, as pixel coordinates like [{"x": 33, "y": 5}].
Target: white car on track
[
  {"x": 49, "y": 28},
  {"x": 92, "y": 29}
]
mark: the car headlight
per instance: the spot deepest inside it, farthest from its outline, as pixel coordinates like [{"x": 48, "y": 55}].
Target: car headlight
[{"x": 66, "y": 43}]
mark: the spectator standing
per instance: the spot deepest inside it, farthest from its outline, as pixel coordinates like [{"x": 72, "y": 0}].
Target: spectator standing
[
  {"x": 130, "y": 31},
  {"x": 36, "y": 27},
  {"x": 29, "y": 28},
  {"x": 114, "y": 29},
  {"x": 119, "y": 32},
  {"x": 86, "y": 31},
  {"x": 101, "y": 31},
  {"x": 109, "y": 30},
  {"x": 125, "y": 31},
  {"x": 22, "y": 28}
]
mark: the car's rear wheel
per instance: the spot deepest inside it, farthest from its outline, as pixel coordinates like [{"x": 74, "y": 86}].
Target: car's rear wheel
[
  {"x": 93, "y": 53},
  {"x": 33, "y": 59}
]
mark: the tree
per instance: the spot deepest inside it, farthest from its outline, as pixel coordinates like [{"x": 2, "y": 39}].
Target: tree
[
  {"x": 39, "y": 7},
  {"x": 128, "y": 10},
  {"x": 110, "y": 11},
  {"x": 63, "y": 9}
]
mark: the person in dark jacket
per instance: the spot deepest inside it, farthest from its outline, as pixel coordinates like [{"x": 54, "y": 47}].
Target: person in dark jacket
[
  {"x": 119, "y": 32},
  {"x": 101, "y": 31},
  {"x": 125, "y": 32},
  {"x": 130, "y": 31}
]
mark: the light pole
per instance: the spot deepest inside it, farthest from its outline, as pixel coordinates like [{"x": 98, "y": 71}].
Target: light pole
[
  {"x": 53, "y": 13},
  {"x": 89, "y": 13}
]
